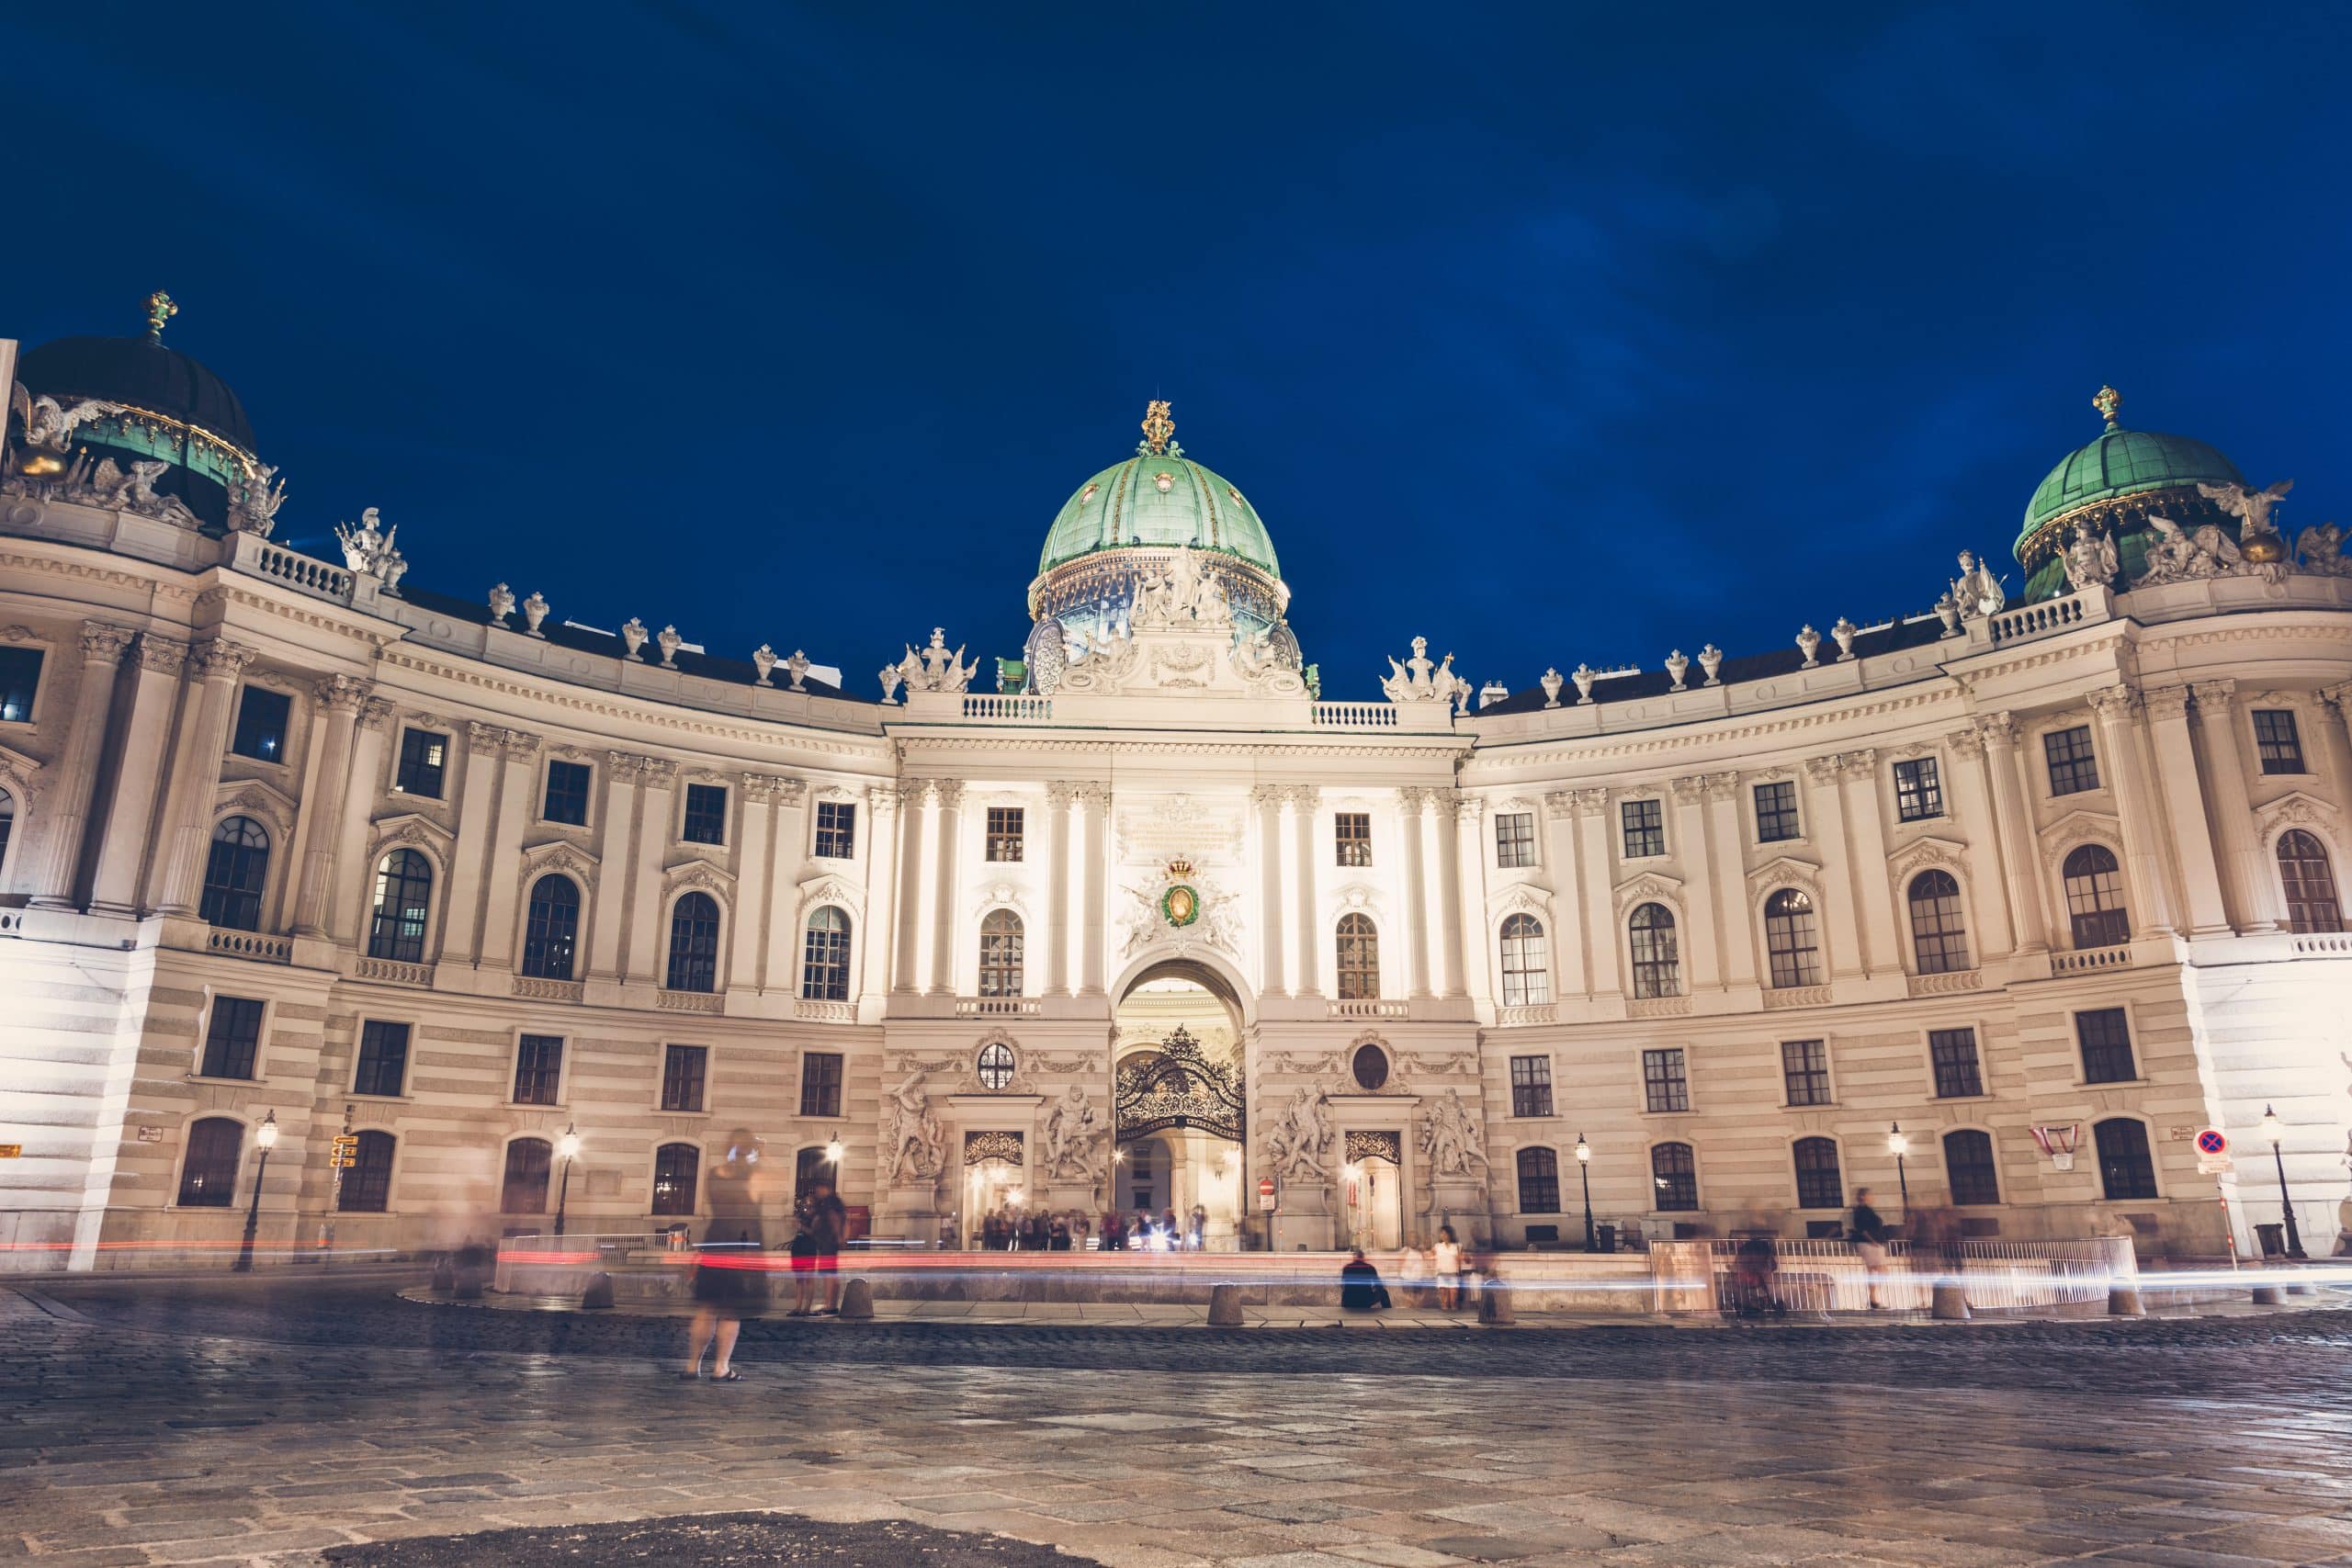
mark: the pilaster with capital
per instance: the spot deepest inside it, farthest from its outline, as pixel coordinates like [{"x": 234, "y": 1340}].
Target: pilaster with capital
[
  {"x": 616, "y": 850},
  {"x": 1469, "y": 866},
  {"x": 749, "y": 944},
  {"x": 884, "y": 805},
  {"x": 1410, "y": 805},
  {"x": 2204, "y": 898},
  {"x": 326, "y": 797},
  {"x": 1097, "y": 797},
  {"x": 1438, "y": 854},
  {"x": 1969, "y": 788},
  {"x": 947, "y": 865},
  {"x": 646, "y": 942},
  {"x": 346, "y": 891},
  {"x": 477, "y": 828},
  {"x": 2020, "y": 852},
  {"x": 1882, "y": 914},
  {"x": 1688, "y": 843},
  {"x": 917, "y": 806},
  {"x": 1728, "y": 880},
  {"x": 518, "y": 777},
  {"x": 2335, "y": 739},
  {"x": 2152, "y": 901},
  {"x": 66, "y": 816},
  {"x": 1571, "y": 942},
  {"x": 1833, "y": 833},
  {"x": 2249, "y": 884},
  {"x": 215, "y": 667},
  {"x": 1303, "y": 803},
  {"x": 1268, "y": 801},
  {"x": 1595, "y": 873},
  {"x": 123, "y": 844}
]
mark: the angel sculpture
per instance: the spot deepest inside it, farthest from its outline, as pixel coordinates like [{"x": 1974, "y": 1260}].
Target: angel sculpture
[
  {"x": 2251, "y": 507},
  {"x": 2090, "y": 560},
  {"x": 2176, "y": 557},
  {"x": 2321, "y": 547}
]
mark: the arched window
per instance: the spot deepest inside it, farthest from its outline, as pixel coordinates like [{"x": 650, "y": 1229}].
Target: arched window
[
  {"x": 2303, "y": 871},
  {"x": 824, "y": 960},
  {"x": 524, "y": 1189},
  {"x": 233, "y": 875},
  {"x": 2125, "y": 1169},
  {"x": 1539, "y": 1181},
  {"x": 1658, "y": 961},
  {"x": 1673, "y": 1176},
  {"x": 209, "y": 1175},
  {"x": 404, "y": 890},
  {"x": 693, "y": 943},
  {"x": 1792, "y": 939},
  {"x": 1938, "y": 935},
  {"x": 677, "y": 1167},
  {"x": 2095, "y": 897},
  {"x": 1819, "y": 1183},
  {"x": 1968, "y": 1166},
  {"x": 1359, "y": 959},
  {"x": 1000, "y": 954},
  {"x": 809, "y": 1168},
  {"x": 7, "y": 827},
  {"x": 551, "y": 932},
  {"x": 368, "y": 1185},
  {"x": 1527, "y": 973},
  {"x": 995, "y": 1066}
]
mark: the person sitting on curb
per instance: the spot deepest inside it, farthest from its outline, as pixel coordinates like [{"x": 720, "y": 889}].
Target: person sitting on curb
[{"x": 1360, "y": 1286}]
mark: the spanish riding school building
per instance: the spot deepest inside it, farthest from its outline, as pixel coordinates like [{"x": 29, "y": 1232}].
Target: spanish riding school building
[{"x": 390, "y": 911}]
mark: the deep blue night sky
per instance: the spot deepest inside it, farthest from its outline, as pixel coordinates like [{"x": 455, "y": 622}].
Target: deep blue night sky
[{"x": 1555, "y": 334}]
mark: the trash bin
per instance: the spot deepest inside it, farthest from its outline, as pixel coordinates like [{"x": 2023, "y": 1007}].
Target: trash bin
[
  {"x": 2273, "y": 1240},
  {"x": 1605, "y": 1237}
]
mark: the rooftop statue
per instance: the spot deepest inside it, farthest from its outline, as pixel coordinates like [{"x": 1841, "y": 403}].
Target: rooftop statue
[
  {"x": 2091, "y": 560},
  {"x": 1418, "y": 679},
  {"x": 2321, "y": 547},
  {"x": 1976, "y": 590},
  {"x": 2177, "y": 557}
]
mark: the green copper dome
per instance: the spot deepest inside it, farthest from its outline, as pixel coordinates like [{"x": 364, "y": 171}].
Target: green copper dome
[
  {"x": 1158, "y": 498},
  {"x": 2124, "y": 462}
]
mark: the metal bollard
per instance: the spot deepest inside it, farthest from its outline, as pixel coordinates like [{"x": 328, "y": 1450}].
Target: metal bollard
[
  {"x": 1950, "y": 1303},
  {"x": 598, "y": 1296},
  {"x": 2123, "y": 1301},
  {"x": 1224, "y": 1306},
  {"x": 857, "y": 1299},
  {"x": 1494, "y": 1300},
  {"x": 2269, "y": 1296}
]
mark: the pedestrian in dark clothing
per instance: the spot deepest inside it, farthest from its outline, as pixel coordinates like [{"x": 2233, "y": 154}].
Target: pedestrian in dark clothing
[
  {"x": 828, "y": 1223},
  {"x": 1360, "y": 1286},
  {"x": 1752, "y": 1271},
  {"x": 725, "y": 1268},
  {"x": 1868, "y": 1235}
]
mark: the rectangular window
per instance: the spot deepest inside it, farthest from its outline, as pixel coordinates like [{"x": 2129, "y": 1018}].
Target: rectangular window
[
  {"x": 681, "y": 1075},
  {"x": 821, "y": 1083},
  {"x": 1804, "y": 1067},
  {"x": 1531, "y": 1086},
  {"x": 539, "y": 1069},
  {"x": 1353, "y": 832},
  {"x": 2278, "y": 742},
  {"x": 1645, "y": 825},
  {"x": 1919, "y": 790},
  {"x": 1664, "y": 1087},
  {"x": 19, "y": 681},
  {"x": 383, "y": 1058},
  {"x": 1776, "y": 811},
  {"x": 2106, "y": 1040},
  {"x": 705, "y": 814},
  {"x": 1959, "y": 1075},
  {"x": 1005, "y": 827},
  {"x": 566, "y": 797},
  {"x": 425, "y": 758},
  {"x": 2073, "y": 767},
  {"x": 234, "y": 1038},
  {"x": 836, "y": 829},
  {"x": 262, "y": 719},
  {"x": 1515, "y": 839}
]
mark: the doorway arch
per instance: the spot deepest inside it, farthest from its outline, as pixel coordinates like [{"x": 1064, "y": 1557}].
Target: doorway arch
[{"x": 1180, "y": 1121}]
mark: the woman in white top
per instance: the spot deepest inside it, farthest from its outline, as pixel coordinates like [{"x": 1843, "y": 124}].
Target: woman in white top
[{"x": 1445, "y": 1260}]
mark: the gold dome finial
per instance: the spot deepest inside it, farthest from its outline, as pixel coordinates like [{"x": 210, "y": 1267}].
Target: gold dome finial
[
  {"x": 1156, "y": 426},
  {"x": 2108, "y": 400},
  {"x": 159, "y": 309}
]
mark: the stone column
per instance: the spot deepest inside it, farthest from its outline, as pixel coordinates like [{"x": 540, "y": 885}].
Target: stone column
[
  {"x": 916, "y": 801},
  {"x": 470, "y": 858},
  {"x": 1097, "y": 797},
  {"x": 1971, "y": 802},
  {"x": 347, "y": 900},
  {"x": 2335, "y": 738},
  {"x": 1446, "y": 888},
  {"x": 217, "y": 666},
  {"x": 1593, "y": 866},
  {"x": 1411, "y": 803},
  {"x": 1575, "y": 932},
  {"x": 1880, "y": 911},
  {"x": 1058, "y": 799},
  {"x": 1268, "y": 799},
  {"x": 873, "y": 944},
  {"x": 1300, "y": 803},
  {"x": 948, "y": 866},
  {"x": 122, "y": 847},
  {"x": 1468, "y": 874},
  {"x": 647, "y": 943},
  {"x": 1839, "y": 929},
  {"x": 2192, "y": 838},
  {"x": 623, "y": 771},
  {"x": 2250, "y": 885},
  {"x": 502, "y": 898},
  {"x": 1690, "y": 847},
  {"x": 2014, "y": 828},
  {"x": 66, "y": 802},
  {"x": 1736, "y": 937},
  {"x": 754, "y": 899},
  {"x": 326, "y": 798},
  {"x": 2143, "y": 831}
]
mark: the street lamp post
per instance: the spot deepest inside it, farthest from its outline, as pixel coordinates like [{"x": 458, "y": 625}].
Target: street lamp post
[
  {"x": 2273, "y": 1129},
  {"x": 1899, "y": 1145},
  {"x": 266, "y": 1139},
  {"x": 1584, "y": 1169},
  {"x": 569, "y": 1147}
]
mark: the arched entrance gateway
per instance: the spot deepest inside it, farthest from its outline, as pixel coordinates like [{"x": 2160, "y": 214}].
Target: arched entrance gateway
[{"x": 1179, "y": 1119}]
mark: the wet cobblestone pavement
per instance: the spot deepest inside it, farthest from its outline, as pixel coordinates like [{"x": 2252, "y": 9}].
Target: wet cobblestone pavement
[{"x": 274, "y": 1420}]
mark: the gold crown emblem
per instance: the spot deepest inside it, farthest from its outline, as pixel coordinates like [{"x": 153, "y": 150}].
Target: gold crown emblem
[{"x": 1180, "y": 867}]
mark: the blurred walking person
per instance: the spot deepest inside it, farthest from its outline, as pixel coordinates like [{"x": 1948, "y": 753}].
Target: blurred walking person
[
  {"x": 1868, "y": 1233},
  {"x": 828, "y": 1223},
  {"x": 726, "y": 1265},
  {"x": 1445, "y": 1263}
]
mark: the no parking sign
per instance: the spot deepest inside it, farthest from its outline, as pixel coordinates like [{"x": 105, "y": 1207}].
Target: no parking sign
[{"x": 2213, "y": 1152}]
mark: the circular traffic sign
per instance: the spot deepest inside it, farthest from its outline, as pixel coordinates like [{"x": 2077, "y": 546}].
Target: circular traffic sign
[{"x": 2212, "y": 1142}]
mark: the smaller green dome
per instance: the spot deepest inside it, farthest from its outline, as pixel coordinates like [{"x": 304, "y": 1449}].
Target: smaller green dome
[{"x": 1158, "y": 498}]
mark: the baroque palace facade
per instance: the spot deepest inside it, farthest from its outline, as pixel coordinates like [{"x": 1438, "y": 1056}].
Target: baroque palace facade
[{"x": 526, "y": 917}]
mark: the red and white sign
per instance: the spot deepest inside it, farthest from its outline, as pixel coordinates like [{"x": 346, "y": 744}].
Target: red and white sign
[
  {"x": 2213, "y": 1141},
  {"x": 1266, "y": 1194}
]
